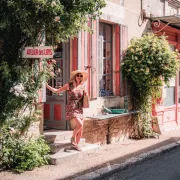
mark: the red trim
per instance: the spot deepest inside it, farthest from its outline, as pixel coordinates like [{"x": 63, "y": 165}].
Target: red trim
[
  {"x": 117, "y": 39},
  {"x": 47, "y": 111},
  {"x": 172, "y": 34},
  {"x": 173, "y": 37},
  {"x": 82, "y": 49},
  {"x": 74, "y": 52},
  {"x": 57, "y": 112}
]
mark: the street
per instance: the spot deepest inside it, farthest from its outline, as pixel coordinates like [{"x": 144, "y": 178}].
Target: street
[{"x": 164, "y": 167}]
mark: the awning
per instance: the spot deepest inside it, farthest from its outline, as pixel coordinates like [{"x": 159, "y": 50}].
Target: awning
[
  {"x": 173, "y": 20},
  {"x": 174, "y": 3}
]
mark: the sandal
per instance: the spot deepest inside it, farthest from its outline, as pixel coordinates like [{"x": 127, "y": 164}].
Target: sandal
[
  {"x": 78, "y": 148},
  {"x": 73, "y": 141}
]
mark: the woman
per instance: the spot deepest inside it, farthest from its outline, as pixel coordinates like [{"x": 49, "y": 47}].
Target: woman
[{"x": 74, "y": 109}]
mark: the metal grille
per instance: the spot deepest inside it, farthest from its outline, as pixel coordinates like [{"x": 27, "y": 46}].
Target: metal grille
[{"x": 174, "y": 3}]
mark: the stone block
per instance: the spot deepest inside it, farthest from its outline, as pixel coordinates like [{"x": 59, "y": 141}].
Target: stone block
[{"x": 109, "y": 130}]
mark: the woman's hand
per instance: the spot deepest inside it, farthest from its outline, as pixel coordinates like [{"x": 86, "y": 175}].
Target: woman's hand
[{"x": 61, "y": 89}]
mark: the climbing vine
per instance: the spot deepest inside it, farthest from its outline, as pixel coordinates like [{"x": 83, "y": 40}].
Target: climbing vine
[{"x": 149, "y": 62}]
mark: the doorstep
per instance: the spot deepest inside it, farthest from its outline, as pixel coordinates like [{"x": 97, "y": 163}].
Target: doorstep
[
  {"x": 69, "y": 153},
  {"x": 61, "y": 148}
]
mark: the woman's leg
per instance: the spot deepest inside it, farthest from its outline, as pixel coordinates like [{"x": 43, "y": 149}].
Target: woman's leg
[
  {"x": 73, "y": 126},
  {"x": 79, "y": 134}
]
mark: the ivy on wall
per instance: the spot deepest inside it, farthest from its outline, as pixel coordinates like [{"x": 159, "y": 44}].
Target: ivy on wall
[{"x": 148, "y": 63}]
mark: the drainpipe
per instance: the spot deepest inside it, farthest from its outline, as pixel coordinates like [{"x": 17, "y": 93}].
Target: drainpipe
[{"x": 141, "y": 5}]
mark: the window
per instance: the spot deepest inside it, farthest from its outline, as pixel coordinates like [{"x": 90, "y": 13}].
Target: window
[
  {"x": 170, "y": 91},
  {"x": 105, "y": 60},
  {"x": 170, "y": 96},
  {"x": 57, "y": 81}
]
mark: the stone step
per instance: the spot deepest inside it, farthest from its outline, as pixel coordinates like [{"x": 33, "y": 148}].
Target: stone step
[
  {"x": 62, "y": 145},
  {"x": 52, "y": 136},
  {"x": 70, "y": 153}
]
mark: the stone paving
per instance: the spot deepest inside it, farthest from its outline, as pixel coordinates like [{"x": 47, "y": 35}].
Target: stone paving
[{"x": 101, "y": 162}]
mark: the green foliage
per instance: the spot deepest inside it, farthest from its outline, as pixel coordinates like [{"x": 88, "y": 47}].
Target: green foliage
[
  {"x": 21, "y": 155},
  {"x": 24, "y": 23},
  {"x": 21, "y": 98},
  {"x": 61, "y": 18},
  {"x": 21, "y": 93},
  {"x": 148, "y": 63}
]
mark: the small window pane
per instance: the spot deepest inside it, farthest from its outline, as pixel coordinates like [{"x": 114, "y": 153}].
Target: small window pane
[
  {"x": 57, "y": 81},
  {"x": 107, "y": 50},
  {"x": 107, "y": 66},
  {"x": 170, "y": 98},
  {"x": 108, "y": 33}
]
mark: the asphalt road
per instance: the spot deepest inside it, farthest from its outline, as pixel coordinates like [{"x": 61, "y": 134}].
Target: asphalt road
[{"x": 163, "y": 167}]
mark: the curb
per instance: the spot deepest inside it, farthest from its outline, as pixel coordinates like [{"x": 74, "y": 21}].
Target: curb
[{"x": 111, "y": 169}]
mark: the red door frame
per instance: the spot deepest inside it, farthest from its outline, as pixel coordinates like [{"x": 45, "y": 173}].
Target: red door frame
[{"x": 173, "y": 37}]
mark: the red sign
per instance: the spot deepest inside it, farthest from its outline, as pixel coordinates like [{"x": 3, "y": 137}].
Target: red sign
[{"x": 38, "y": 52}]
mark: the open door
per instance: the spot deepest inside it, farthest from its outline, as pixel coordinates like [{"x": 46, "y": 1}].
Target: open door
[{"x": 54, "y": 107}]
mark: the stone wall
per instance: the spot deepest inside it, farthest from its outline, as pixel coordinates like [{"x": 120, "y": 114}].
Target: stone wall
[
  {"x": 36, "y": 128},
  {"x": 109, "y": 130}
]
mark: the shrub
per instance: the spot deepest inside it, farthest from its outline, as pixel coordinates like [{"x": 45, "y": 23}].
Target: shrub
[
  {"x": 22, "y": 155},
  {"x": 149, "y": 62}
]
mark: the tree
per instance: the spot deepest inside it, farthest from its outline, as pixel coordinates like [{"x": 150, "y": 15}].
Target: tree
[{"x": 22, "y": 23}]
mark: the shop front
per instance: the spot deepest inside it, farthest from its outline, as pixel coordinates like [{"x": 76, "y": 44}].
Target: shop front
[
  {"x": 168, "y": 108},
  {"x": 99, "y": 53}
]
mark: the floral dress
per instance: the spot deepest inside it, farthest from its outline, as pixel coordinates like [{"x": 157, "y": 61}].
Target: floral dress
[{"x": 74, "y": 106}]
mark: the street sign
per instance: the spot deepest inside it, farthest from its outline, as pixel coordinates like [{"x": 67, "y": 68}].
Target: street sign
[{"x": 38, "y": 52}]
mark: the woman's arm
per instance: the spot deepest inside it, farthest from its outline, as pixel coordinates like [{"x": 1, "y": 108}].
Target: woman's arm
[{"x": 61, "y": 89}]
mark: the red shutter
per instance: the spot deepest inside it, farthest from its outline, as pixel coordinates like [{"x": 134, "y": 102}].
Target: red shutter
[
  {"x": 124, "y": 45},
  {"x": 82, "y": 49},
  {"x": 117, "y": 66},
  {"x": 74, "y": 54}
]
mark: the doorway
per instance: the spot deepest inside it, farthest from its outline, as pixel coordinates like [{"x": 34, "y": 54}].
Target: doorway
[{"x": 55, "y": 105}]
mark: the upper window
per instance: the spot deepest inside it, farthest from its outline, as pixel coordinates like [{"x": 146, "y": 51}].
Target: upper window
[{"x": 105, "y": 60}]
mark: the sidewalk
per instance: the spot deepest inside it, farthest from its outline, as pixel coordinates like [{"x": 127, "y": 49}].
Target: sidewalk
[{"x": 106, "y": 160}]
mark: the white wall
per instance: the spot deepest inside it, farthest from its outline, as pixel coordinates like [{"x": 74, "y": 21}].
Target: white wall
[{"x": 132, "y": 15}]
